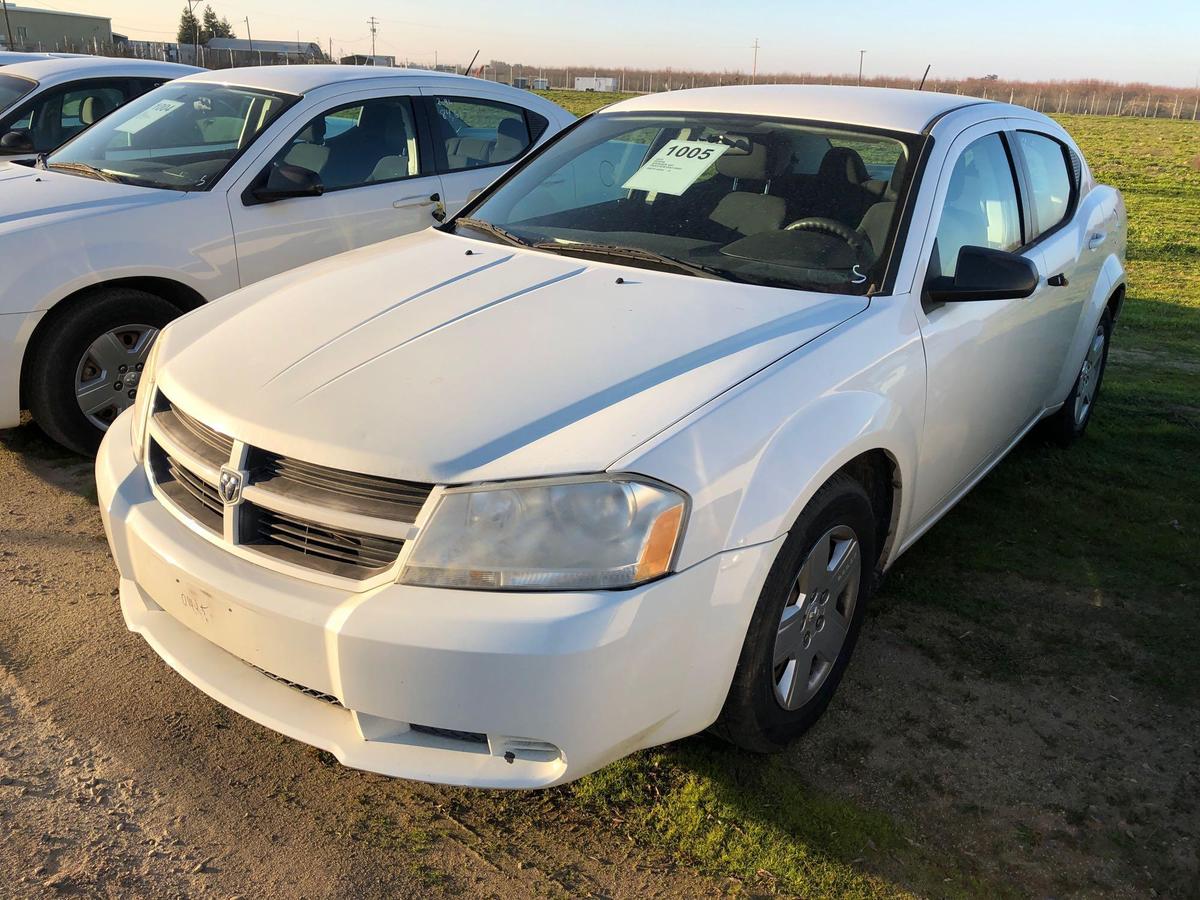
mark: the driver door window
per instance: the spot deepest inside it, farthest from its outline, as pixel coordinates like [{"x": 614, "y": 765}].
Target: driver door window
[
  {"x": 981, "y": 208},
  {"x": 367, "y": 142},
  {"x": 59, "y": 115}
]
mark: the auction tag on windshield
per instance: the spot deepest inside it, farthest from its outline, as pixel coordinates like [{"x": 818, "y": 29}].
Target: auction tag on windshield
[
  {"x": 675, "y": 168},
  {"x": 149, "y": 116}
]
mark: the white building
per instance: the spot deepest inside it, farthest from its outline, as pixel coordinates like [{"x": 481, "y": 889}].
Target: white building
[{"x": 608, "y": 85}]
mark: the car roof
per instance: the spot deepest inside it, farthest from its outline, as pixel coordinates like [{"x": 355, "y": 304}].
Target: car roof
[
  {"x": 891, "y": 109},
  {"x": 302, "y": 79},
  {"x": 59, "y": 69}
]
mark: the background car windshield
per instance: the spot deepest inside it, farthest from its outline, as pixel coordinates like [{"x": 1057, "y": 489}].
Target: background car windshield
[
  {"x": 180, "y": 136},
  {"x": 788, "y": 204},
  {"x": 13, "y": 89}
]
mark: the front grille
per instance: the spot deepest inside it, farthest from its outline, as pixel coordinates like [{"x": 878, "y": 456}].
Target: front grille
[
  {"x": 306, "y": 691},
  {"x": 371, "y": 495},
  {"x": 470, "y": 737},
  {"x": 288, "y": 502},
  {"x": 337, "y": 551}
]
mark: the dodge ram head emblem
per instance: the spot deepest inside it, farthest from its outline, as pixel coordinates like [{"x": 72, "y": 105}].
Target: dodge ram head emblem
[{"x": 230, "y": 486}]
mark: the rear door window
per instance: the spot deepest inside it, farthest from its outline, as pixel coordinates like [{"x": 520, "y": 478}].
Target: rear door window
[
  {"x": 471, "y": 132},
  {"x": 1050, "y": 181}
]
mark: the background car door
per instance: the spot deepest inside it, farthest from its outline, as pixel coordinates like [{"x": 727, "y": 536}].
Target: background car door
[
  {"x": 475, "y": 139},
  {"x": 378, "y": 184},
  {"x": 981, "y": 357}
]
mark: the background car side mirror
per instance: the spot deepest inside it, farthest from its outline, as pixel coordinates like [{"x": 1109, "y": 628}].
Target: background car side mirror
[
  {"x": 985, "y": 274},
  {"x": 19, "y": 141},
  {"x": 285, "y": 181}
]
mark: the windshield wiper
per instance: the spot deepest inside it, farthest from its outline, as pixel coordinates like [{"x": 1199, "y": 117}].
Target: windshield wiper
[
  {"x": 493, "y": 230},
  {"x": 616, "y": 251},
  {"x": 86, "y": 169}
]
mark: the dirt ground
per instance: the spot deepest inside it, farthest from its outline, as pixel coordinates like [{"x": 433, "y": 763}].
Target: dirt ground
[{"x": 117, "y": 778}]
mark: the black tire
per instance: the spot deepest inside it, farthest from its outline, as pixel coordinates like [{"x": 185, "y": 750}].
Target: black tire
[
  {"x": 1065, "y": 427},
  {"x": 50, "y": 376},
  {"x": 753, "y": 717}
]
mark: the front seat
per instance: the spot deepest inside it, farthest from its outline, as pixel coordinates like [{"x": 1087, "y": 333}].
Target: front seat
[
  {"x": 877, "y": 221},
  {"x": 751, "y": 212},
  {"x": 511, "y": 138},
  {"x": 94, "y": 108},
  {"x": 840, "y": 192}
]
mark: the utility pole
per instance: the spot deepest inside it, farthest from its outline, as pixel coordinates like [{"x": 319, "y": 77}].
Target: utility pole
[
  {"x": 195, "y": 31},
  {"x": 754, "y": 68},
  {"x": 372, "y": 22},
  {"x": 248, "y": 38},
  {"x": 8, "y": 32},
  {"x": 861, "y": 54}
]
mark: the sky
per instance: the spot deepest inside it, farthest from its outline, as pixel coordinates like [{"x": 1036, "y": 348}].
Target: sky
[{"x": 1157, "y": 41}]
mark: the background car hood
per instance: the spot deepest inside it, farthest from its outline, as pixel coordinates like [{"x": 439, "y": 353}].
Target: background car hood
[
  {"x": 33, "y": 197},
  {"x": 442, "y": 359}
]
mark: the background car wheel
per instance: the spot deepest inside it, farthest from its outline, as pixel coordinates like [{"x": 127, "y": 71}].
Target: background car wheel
[
  {"x": 806, "y": 622},
  {"x": 1070, "y": 422},
  {"x": 85, "y": 370}
]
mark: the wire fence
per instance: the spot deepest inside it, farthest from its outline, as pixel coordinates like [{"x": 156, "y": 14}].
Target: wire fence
[{"x": 1088, "y": 97}]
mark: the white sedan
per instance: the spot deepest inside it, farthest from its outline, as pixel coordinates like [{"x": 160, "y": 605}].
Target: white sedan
[
  {"x": 211, "y": 183},
  {"x": 619, "y": 453},
  {"x": 47, "y": 101}
]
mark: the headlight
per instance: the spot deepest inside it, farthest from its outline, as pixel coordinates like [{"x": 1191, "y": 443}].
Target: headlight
[
  {"x": 142, "y": 403},
  {"x": 557, "y": 534}
]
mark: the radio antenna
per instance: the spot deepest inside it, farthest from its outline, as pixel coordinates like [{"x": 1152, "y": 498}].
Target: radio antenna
[{"x": 923, "y": 77}]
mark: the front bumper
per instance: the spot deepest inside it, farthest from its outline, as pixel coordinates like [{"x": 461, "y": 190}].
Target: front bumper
[{"x": 560, "y": 684}]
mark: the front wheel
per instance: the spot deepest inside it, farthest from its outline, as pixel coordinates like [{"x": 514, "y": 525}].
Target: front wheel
[
  {"x": 85, "y": 370},
  {"x": 806, "y": 622}
]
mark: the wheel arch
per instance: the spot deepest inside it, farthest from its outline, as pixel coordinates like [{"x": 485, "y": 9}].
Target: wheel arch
[{"x": 181, "y": 296}]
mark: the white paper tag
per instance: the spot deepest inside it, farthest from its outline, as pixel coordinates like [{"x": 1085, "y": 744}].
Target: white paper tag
[
  {"x": 149, "y": 116},
  {"x": 675, "y": 168}
]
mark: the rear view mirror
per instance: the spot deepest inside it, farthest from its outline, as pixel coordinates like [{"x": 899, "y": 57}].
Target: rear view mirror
[
  {"x": 285, "y": 181},
  {"x": 985, "y": 274},
  {"x": 19, "y": 141}
]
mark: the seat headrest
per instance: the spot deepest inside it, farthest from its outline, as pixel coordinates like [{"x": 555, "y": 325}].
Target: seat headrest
[
  {"x": 893, "y": 185},
  {"x": 513, "y": 128},
  {"x": 94, "y": 108},
  {"x": 843, "y": 164},
  {"x": 762, "y": 163}
]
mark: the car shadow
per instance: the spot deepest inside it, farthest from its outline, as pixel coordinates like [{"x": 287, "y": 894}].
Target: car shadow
[{"x": 48, "y": 461}]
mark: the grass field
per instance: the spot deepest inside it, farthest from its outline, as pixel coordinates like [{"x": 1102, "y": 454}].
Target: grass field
[{"x": 1019, "y": 718}]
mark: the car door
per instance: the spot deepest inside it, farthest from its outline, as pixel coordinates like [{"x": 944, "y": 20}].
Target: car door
[
  {"x": 59, "y": 113},
  {"x": 983, "y": 370},
  {"x": 1052, "y": 189},
  {"x": 475, "y": 139},
  {"x": 376, "y": 175}
]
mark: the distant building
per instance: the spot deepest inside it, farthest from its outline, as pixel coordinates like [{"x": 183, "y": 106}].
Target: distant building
[
  {"x": 521, "y": 82},
  {"x": 365, "y": 59},
  {"x": 541, "y": 84},
  {"x": 607, "y": 85},
  {"x": 49, "y": 29},
  {"x": 250, "y": 52}
]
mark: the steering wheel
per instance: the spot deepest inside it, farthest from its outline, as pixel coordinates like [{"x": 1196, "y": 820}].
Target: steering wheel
[{"x": 833, "y": 228}]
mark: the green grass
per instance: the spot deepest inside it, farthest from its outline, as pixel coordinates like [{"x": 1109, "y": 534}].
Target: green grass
[{"x": 1099, "y": 544}]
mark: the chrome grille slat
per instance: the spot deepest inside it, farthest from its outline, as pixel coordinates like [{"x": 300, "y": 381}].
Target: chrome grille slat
[{"x": 337, "y": 523}]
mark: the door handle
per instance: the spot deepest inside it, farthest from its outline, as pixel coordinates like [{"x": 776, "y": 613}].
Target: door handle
[
  {"x": 434, "y": 200},
  {"x": 1095, "y": 239},
  {"x": 1059, "y": 280}
]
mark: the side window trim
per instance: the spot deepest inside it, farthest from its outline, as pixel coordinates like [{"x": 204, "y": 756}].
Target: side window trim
[
  {"x": 1020, "y": 176},
  {"x": 1073, "y": 200}
]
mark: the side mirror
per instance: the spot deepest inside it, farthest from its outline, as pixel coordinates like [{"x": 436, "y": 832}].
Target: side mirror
[
  {"x": 19, "y": 141},
  {"x": 285, "y": 181},
  {"x": 985, "y": 274}
]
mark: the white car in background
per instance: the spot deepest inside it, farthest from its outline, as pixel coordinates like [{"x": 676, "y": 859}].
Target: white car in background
[
  {"x": 214, "y": 182},
  {"x": 618, "y": 453},
  {"x": 47, "y": 102}
]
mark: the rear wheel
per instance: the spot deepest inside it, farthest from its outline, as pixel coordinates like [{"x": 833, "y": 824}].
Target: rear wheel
[
  {"x": 806, "y": 622},
  {"x": 85, "y": 370},
  {"x": 1071, "y": 421}
]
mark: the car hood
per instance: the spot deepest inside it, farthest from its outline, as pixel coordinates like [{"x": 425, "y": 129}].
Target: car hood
[
  {"x": 442, "y": 359},
  {"x": 34, "y": 197}
]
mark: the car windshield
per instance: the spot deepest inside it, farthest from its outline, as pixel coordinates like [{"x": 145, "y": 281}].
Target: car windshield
[
  {"x": 13, "y": 88},
  {"x": 783, "y": 203},
  {"x": 181, "y": 136}
]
